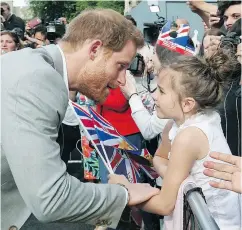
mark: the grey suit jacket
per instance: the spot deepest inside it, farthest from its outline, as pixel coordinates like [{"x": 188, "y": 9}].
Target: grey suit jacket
[{"x": 34, "y": 101}]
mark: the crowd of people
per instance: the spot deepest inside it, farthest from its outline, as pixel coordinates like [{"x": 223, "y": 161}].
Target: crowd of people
[{"x": 188, "y": 116}]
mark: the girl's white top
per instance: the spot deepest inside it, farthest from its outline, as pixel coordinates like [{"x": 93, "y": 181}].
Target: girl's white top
[{"x": 224, "y": 205}]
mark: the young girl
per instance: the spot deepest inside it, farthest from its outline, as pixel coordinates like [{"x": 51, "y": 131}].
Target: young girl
[{"x": 188, "y": 92}]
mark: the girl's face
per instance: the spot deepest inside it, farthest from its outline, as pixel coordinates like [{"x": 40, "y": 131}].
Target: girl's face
[
  {"x": 166, "y": 99},
  {"x": 7, "y": 44}
]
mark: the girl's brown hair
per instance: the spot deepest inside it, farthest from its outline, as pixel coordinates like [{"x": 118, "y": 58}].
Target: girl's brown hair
[{"x": 203, "y": 78}]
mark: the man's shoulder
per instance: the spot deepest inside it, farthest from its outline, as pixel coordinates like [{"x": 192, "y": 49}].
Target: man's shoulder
[
  {"x": 30, "y": 66},
  {"x": 15, "y": 17},
  {"x": 26, "y": 60}
]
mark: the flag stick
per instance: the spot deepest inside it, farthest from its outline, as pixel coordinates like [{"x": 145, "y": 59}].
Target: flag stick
[
  {"x": 105, "y": 154},
  {"x": 90, "y": 138}
]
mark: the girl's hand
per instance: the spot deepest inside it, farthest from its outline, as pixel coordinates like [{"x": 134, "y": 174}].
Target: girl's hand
[
  {"x": 138, "y": 193},
  {"x": 130, "y": 86}
]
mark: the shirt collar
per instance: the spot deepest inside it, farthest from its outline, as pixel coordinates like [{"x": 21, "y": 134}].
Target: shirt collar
[{"x": 65, "y": 75}]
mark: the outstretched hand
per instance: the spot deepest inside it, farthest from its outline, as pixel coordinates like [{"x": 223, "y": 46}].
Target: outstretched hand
[
  {"x": 130, "y": 86},
  {"x": 230, "y": 174},
  {"x": 138, "y": 193},
  {"x": 195, "y": 5}
]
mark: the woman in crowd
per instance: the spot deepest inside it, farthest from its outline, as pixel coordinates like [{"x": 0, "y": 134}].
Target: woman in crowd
[
  {"x": 188, "y": 92},
  {"x": 9, "y": 42}
]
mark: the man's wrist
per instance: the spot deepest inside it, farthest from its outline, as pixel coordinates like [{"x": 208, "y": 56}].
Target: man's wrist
[{"x": 127, "y": 193}]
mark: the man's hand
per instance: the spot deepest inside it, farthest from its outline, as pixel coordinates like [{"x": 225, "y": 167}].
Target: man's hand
[
  {"x": 2, "y": 19},
  {"x": 214, "y": 20},
  {"x": 130, "y": 86},
  {"x": 138, "y": 193},
  {"x": 230, "y": 174},
  {"x": 27, "y": 27}
]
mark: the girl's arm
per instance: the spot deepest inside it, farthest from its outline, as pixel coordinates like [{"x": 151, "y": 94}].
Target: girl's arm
[
  {"x": 149, "y": 125},
  {"x": 160, "y": 160},
  {"x": 189, "y": 145}
]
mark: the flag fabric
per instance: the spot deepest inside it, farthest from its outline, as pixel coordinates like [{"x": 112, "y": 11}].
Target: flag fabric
[
  {"x": 151, "y": 173},
  {"x": 87, "y": 121},
  {"x": 128, "y": 163},
  {"x": 142, "y": 153},
  {"x": 176, "y": 38},
  {"x": 121, "y": 164},
  {"x": 108, "y": 134}
]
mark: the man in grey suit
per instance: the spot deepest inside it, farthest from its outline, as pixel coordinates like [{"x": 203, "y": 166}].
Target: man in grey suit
[{"x": 91, "y": 58}]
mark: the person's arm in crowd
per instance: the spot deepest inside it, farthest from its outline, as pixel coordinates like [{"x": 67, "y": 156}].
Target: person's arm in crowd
[
  {"x": 184, "y": 153},
  {"x": 38, "y": 42},
  {"x": 2, "y": 22},
  {"x": 230, "y": 174},
  {"x": 160, "y": 160},
  {"x": 203, "y": 9},
  {"x": 149, "y": 125},
  {"x": 47, "y": 189}
]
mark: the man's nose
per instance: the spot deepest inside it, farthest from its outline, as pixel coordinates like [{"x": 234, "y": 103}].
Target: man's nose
[{"x": 122, "y": 78}]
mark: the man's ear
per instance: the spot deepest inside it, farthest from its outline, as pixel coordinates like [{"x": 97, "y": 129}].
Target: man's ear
[
  {"x": 188, "y": 104},
  {"x": 95, "y": 49}
]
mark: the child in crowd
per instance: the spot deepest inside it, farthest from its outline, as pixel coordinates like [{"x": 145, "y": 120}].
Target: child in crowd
[{"x": 188, "y": 92}]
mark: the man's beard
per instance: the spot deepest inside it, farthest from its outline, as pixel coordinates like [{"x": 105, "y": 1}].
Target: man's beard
[{"x": 92, "y": 82}]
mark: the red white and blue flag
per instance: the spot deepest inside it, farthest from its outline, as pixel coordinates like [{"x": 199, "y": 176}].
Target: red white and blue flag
[
  {"x": 87, "y": 121},
  {"x": 121, "y": 162},
  {"x": 108, "y": 135}
]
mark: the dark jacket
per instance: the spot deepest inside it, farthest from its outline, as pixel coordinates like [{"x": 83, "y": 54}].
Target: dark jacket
[
  {"x": 230, "y": 113},
  {"x": 14, "y": 22}
]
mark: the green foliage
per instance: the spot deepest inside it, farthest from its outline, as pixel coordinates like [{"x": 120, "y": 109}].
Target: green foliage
[
  {"x": 50, "y": 10},
  {"x": 82, "y": 5},
  {"x": 115, "y": 5}
]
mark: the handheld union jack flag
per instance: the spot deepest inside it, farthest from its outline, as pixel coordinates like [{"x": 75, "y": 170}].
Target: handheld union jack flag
[
  {"x": 86, "y": 120},
  {"x": 108, "y": 134},
  {"x": 122, "y": 165}
]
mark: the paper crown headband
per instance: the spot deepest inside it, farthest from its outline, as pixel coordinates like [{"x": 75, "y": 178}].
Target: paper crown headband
[{"x": 176, "y": 38}]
